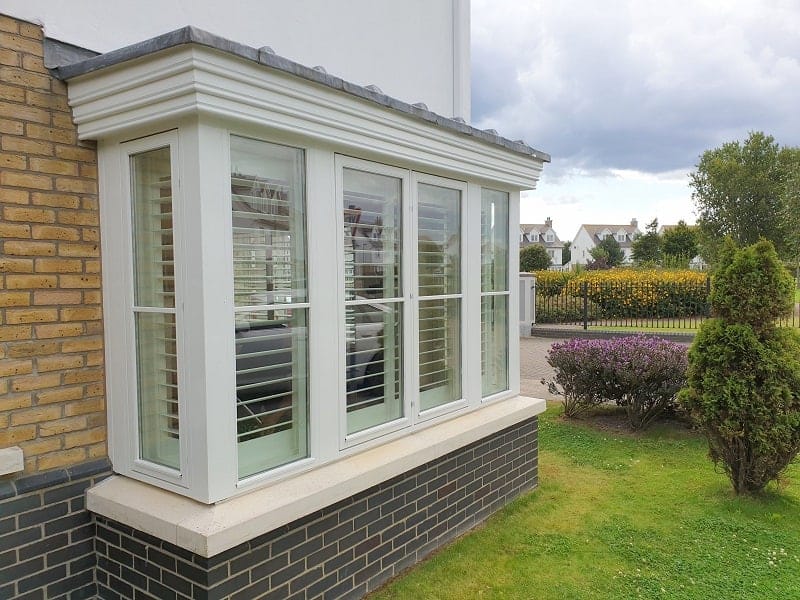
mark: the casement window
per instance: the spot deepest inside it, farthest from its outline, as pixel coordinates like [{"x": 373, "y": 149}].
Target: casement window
[
  {"x": 621, "y": 237},
  {"x": 495, "y": 292},
  {"x": 549, "y": 237},
  {"x": 270, "y": 303}
]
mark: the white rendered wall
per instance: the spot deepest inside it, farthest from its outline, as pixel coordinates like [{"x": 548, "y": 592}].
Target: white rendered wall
[{"x": 414, "y": 50}]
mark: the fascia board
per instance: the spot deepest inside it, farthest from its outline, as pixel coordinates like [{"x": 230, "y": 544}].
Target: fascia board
[{"x": 197, "y": 80}]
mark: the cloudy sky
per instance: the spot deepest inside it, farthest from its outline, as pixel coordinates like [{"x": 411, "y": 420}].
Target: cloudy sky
[{"x": 625, "y": 95}]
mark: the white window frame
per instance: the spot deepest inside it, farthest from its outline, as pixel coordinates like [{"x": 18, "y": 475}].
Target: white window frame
[
  {"x": 124, "y": 347},
  {"x": 416, "y": 180},
  {"x": 346, "y": 162}
]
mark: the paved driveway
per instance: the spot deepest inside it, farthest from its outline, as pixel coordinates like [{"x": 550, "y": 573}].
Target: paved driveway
[{"x": 533, "y": 366}]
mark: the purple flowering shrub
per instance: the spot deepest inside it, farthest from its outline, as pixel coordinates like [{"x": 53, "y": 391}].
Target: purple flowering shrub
[{"x": 641, "y": 373}]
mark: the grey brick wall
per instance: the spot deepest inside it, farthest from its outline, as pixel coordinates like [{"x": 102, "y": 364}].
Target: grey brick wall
[
  {"x": 47, "y": 535},
  {"x": 342, "y": 551}
]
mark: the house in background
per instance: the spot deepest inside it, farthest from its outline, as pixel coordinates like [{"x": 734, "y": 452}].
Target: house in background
[
  {"x": 589, "y": 236},
  {"x": 195, "y": 401},
  {"x": 542, "y": 234}
]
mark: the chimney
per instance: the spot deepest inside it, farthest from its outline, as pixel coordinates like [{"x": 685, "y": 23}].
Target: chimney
[
  {"x": 548, "y": 222},
  {"x": 634, "y": 223}
]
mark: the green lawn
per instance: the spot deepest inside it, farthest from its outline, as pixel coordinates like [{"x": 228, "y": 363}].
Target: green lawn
[{"x": 621, "y": 516}]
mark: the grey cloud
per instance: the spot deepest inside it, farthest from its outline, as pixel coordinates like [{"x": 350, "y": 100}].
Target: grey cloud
[{"x": 636, "y": 85}]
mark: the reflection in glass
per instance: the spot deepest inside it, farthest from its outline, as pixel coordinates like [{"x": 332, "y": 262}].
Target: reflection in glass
[
  {"x": 374, "y": 365},
  {"x": 439, "y": 246},
  {"x": 154, "y": 307},
  {"x": 269, "y": 282},
  {"x": 157, "y": 378},
  {"x": 439, "y": 352},
  {"x": 268, "y": 204},
  {"x": 373, "y": 298},
  {"x": 494, "y": 344},
  {"x": 495, "y": 294},
  {"x": 154, "y": 262},
  {"x": 271, "y": 388},
  {"x": 439, "y": 267},
  {"x": 494, "y": 241}
]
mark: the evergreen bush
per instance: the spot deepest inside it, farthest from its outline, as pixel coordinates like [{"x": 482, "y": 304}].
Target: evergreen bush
[{"x": 743, "y": 384}]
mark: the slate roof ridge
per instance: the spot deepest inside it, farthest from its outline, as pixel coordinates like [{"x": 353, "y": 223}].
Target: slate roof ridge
[{"x": 193, "y": 35}]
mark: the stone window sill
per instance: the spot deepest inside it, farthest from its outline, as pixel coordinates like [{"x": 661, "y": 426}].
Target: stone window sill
[{"x": 208, "y": 530}]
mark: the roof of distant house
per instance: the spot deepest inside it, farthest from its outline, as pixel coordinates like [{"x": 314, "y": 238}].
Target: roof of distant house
[{"x": 265, "y": 56}]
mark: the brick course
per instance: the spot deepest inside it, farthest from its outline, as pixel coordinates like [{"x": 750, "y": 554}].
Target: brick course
[
  {"x": 52, "y": 399},
  {"x": 47, "y": 535}
]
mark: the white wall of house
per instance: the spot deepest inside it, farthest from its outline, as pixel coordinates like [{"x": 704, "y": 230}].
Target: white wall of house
[
  {"x": 581, "y": 246},
  {"x": 415, "y": 50}
]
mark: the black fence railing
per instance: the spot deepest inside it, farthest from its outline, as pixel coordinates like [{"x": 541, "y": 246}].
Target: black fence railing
[{"x": 630, "y": 304}]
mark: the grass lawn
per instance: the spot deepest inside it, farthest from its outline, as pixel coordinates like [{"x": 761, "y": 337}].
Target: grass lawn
[{"x": 622, "y": 516}]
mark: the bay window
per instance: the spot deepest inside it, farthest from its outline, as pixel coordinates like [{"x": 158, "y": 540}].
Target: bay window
[
  {"x": 293, "y": 273},
  {"x": 389, "y": 332}
]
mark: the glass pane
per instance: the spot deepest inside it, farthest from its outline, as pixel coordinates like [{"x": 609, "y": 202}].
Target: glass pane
[
  {"x": 372, "y": 235},
  {"x": 154, "y": 266},
  {"x": 439, "y": 247},
  {"x": 494, "y": 344},
  {"x": 271, "y": 388},
  {"x": 157, "y": 370},
  {"x": 269, "y": 240},
  {"x": 494, "y": 241},
  {"x": 374, "y": 364},
  {"x": 439, "y": 352}
]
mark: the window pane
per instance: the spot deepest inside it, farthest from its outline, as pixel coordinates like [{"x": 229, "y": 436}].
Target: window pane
[
  {"x": 271, "y": 388},
  {"x": 157, "y": 370},
  {"x": 374, "y": 364},
  {"x": 494, "y": 344},
  {"x": 372, "y": 239},
  {"x": 439, "y": 352},
  {"x": 268, "y": 203},
  {"x": 494, "y": 241},
  {"x": 154, "y": 312},
  {"x": 154, "y": 267},
  {"x": 439, "y": 247},
  {"x": 269, "y": 278},
  {"x": 372, "y": 235}
]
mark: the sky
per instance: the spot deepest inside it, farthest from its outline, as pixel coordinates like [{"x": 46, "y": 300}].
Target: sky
[{"x": 626, "y": 95}]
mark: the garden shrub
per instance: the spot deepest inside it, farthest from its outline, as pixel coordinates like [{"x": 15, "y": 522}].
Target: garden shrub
[
  {"x": 551, "y": 283},
  {"x": 578, "y": 364},
  {"x": 644, "y": 292},
  {"x": 744, "y": 371},
  {"x": 641, "y": 373}
]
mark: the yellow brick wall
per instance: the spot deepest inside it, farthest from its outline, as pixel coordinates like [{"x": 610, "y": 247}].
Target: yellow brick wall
[{"x": 52, "y": 396}]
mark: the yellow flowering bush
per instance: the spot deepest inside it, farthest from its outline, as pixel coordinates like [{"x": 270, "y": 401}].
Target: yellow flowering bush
[
  {"x": 644, "y": 292},
  {"x": 551, "y": 283}
]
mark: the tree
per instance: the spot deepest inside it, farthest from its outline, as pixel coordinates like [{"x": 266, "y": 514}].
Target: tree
[
  {"x": 533, "y": 258},
  {"x": 743, "y": 381},
  {"x": 566, "y": 253},
  {"x": 647, "y": 247},
  {"x": 606, "y": 255},
  {"x": 746, "y": 191},
  {"x": 680, "y": 242}
]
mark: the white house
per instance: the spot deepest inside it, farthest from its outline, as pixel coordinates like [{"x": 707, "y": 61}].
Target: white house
[
  {"x": 589, "y": 236},
  {"x": 542, "y": 234},
  {"x": 307, "y": 357}
]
